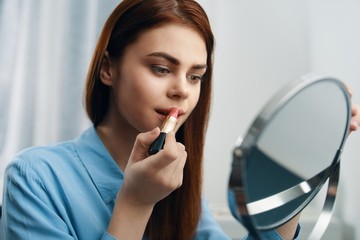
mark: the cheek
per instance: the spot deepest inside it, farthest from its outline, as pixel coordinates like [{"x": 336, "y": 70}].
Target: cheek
[
  {"x": 192, "y": 102},
  {"x": 195, "y": 96},
  {"x": 147, "y": 92},
  {"x": 139, "y": 86}
]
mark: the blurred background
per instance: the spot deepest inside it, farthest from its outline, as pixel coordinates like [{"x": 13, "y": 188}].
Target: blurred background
[{"x": 46, "y": 46}]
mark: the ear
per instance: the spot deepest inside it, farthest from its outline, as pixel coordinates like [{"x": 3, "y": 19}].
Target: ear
[{"x": 106, "y": 74}]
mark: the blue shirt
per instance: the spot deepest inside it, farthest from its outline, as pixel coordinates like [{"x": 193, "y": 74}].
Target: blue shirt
[{"x": 67, "y": 191}]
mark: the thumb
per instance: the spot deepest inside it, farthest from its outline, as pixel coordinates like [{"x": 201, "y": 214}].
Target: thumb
[{"x": 142, "y": 144}]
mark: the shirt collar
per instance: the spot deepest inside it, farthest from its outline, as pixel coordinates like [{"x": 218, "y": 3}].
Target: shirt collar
[{"x": 103, "y": 170}]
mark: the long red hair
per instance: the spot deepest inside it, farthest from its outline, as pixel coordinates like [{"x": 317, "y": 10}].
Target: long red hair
[{"x": 176, "y": 216}]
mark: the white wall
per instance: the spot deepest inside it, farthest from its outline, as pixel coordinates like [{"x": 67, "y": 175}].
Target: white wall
[
  {"x": 335, "y": 49},
  {"x": 262, "y": 45},
  {"x": 259, "y": 48}
]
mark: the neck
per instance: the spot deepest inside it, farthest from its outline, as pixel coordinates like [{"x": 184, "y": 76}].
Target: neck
[{"x": 117, "y": 139}]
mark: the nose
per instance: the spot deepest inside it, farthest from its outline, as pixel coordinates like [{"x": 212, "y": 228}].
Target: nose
[{"x": 179, "y": 88}]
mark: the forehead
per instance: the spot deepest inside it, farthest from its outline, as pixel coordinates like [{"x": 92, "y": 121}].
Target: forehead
[{"x": 180, "y": 41}]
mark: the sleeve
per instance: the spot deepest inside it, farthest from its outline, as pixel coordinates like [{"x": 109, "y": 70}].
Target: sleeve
[
  {"x": 274, "y": 235},
  {"x": 28, "y": 212},
  {"x": 208, "y": 228},
  {"x": 107, "y": 236}
]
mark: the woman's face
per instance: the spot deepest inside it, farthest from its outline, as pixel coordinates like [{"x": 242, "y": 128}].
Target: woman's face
[{"x": 161, "y": 70}]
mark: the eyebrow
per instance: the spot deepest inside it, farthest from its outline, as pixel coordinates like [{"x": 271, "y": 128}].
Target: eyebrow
[{"x": 174, "y": 60}]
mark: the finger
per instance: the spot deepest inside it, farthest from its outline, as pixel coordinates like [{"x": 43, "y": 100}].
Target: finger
[
  {"x": 172, "y": 151},
  {"x": 355, "y": 119},
  {"x": 349, "y": 89},
  {"x": 174, "y": 172},
  {"x": 180, "y": 170},
  {"x": 170, "y": 140},
  {"x": 355, "y": 110},
  {"x": 354, "y": 126},
  {"x": 179, "y": 163},
  {"x": 142, "y": 144}
]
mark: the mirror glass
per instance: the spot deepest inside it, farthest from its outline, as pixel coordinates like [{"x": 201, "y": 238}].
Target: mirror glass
[{"x": 289, "y": 152}]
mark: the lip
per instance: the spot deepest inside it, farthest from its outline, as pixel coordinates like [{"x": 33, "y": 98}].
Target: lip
[{"x": 165, "y": 111}]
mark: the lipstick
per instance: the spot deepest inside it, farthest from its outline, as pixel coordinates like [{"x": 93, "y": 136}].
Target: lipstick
[{"x": 168, "y": 125}]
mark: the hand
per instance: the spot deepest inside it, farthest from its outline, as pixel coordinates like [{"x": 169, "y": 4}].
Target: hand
[
  {"x": 149, "y": 179},
  {"x": 355, "y": 117},
  {"x": 355, "y": 114}
]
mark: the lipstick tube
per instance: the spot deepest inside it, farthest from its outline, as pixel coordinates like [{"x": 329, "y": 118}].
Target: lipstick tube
[{"x": 168, "y": 125}]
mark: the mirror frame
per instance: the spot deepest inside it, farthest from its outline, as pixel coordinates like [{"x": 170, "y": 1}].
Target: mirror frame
[{"x": 237, "y": 198}]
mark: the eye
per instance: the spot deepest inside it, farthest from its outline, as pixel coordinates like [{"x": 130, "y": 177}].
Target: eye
[
  {"x": 195, "y": 78},
  {"x": 160, "y": 70}
]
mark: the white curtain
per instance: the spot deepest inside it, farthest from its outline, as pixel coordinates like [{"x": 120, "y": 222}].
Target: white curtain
[{"x": 45, "y": 49}]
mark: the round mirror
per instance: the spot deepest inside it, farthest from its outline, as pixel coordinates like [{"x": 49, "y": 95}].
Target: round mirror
[{"x": 291, "y": 149}]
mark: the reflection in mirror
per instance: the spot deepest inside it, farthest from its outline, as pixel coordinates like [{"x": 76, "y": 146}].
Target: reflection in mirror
[{"x": 290, "y": 151}]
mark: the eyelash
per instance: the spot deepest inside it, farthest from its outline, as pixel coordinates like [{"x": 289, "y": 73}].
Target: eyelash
[
  {"x": 164, "y": 71},
  {"x": 198, "y": 78}
]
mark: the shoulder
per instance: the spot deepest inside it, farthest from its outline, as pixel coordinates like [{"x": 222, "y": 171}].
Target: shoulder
[
  {"x": 45, "y": 154},
  {"x": 41, "y": 160}
]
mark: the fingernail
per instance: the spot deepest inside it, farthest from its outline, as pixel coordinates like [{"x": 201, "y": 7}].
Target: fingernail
[{"x": 154, "y": 131}]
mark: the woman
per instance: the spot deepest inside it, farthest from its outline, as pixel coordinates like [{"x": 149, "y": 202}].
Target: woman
[{"x": 152, "y": 56}]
